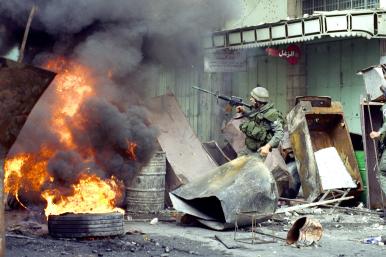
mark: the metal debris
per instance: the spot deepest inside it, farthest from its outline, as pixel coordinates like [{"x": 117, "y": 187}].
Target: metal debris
[
  {"x": 313, "y": 128},
  {"x": 187, "y": 158},
  {"x": 20, "y": 88},
  {"x": 305, "y": 231},
  {"x": 216, "y": 198}
]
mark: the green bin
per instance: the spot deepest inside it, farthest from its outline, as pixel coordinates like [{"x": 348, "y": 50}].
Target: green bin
[{"x": 360, "y": 156}]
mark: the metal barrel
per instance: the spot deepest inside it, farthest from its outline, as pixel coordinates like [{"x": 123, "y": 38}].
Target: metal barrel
[
  {"x": 305, "y": 231},
  {"x": 146, "y": 194}
]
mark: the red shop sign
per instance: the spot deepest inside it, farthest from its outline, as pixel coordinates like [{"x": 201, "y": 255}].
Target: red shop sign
[{"x": 291, "y": 53}]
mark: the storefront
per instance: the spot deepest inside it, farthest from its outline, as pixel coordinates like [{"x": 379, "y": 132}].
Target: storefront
[{"x": 329, "y": 49}]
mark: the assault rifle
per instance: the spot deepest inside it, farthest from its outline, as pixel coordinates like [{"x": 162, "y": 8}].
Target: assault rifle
[{"x": 232, "y": 100}]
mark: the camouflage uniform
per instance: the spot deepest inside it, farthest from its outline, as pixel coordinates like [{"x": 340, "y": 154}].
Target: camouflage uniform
[
  {"x": 382, "y": 159},
  {"x": 263, "y": 126}
]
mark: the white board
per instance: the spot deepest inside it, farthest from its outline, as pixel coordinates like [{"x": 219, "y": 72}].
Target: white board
[
  {"x": 333, "y": 174},
  {"x": 225, "y": 60}
]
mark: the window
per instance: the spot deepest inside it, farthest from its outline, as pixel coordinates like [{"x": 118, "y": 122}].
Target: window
[{"x": 309, "y": 6}]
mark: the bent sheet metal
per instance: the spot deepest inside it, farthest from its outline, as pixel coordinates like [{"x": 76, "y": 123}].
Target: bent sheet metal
[
  {"x": 20, "y": 88},
  {"x": 242, "y": 185}
]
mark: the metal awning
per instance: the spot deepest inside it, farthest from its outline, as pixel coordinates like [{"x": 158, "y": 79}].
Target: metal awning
[{"x": 350, "y": 23}]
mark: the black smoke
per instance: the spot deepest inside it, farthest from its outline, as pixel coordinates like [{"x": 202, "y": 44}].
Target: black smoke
[
  {"x": 107, "y": 132},
  {"x": 127, "y": 39},
  {"x": 168, "y": 32}
]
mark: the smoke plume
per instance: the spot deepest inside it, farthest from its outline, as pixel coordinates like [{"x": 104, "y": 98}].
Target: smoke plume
[{"x": 123, "y": 42}]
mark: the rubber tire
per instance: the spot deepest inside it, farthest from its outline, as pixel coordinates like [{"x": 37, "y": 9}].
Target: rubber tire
[{"x": 72, "y": 225}]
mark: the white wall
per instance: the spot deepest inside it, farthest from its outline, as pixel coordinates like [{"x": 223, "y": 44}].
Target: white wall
[
  {"x": 295, "y": 8},
  {"x": 382, "y": 4},
  {"x": 260, "y": 11}
]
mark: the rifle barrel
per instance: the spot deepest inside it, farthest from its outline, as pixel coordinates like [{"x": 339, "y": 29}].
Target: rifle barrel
[
  {"x": 204, "y": 90},
  {"x": 224, "y": 97}
]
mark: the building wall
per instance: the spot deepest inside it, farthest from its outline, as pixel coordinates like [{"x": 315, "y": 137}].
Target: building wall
[
  {"x": 331, "y": 69},
  {"x": 296, "y": 79},
  {"x": 294, "y": 8},
  {"x": 325, "y": 68},
  {"x": 310, "y": 6},
  {"x": 266, "y": 71},
  {"x": 284, "y": 81},
  {"x": 257, "y": 12},
  {"x": 205, "y": 114}
]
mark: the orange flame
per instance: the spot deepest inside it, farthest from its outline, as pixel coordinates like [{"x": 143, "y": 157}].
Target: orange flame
[
  {"x": 73, "y": 85},
  {"x": 132, "y": 147},
  {"x": 13, "y": 176},
  {"x": 90, "y": 195},
  {"x": 28, "y": 172}
]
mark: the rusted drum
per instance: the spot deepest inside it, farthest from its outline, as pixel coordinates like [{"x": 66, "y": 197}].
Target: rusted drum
[
  {"x": 305, "y": 231},
  {"x": 146, "y": 194},
  {"x": 72, "y": 225}
]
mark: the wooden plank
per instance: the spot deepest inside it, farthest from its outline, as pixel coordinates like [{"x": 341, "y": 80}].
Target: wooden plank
[
  {"x": 331, "y": 206},
  {"x": 324, "y": 195},
  {"x": 374, "y": 197},
  {"x": 308, "y": 205},
  {"x": 344, "y": 195},
  {"x": 26, "y": 32}
]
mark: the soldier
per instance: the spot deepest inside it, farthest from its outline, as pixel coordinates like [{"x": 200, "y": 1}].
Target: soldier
[
  {"x": 381, "y": 133},
  {"x": 264, "y": 125}
]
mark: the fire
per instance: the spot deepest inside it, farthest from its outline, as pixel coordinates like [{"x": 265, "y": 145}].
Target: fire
[
  {"x": 73, "y": 84},
  {"x": 27, "y": 172},
  {"x": 132, "y": 147},
  {"x": 90, "y": 195},
  {"x": 13, "y": 176}
]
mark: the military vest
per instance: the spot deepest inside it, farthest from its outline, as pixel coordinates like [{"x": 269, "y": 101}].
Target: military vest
[{"x": 259, "y": 126}]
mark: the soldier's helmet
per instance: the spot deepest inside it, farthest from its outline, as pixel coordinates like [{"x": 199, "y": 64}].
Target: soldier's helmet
[{"x": 260, "y": 94}]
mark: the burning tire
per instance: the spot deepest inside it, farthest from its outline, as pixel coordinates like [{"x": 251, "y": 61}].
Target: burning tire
[{"x": 85, "y": 225}]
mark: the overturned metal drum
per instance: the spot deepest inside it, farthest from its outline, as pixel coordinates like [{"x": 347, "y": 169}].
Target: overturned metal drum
[
  {"x": 72, "y": 225},
  {"x": 305, "y": 231}
]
